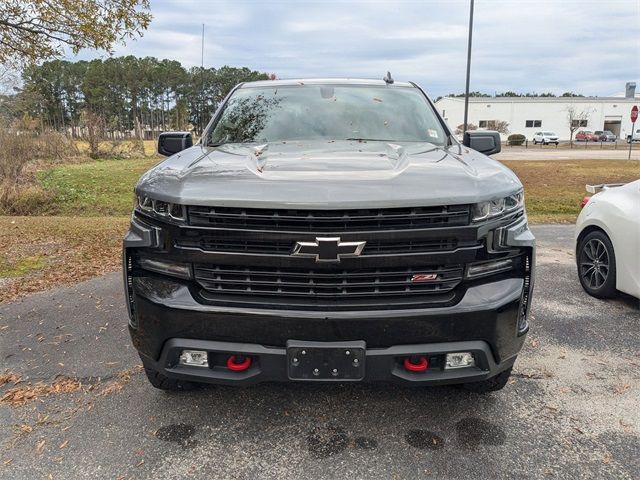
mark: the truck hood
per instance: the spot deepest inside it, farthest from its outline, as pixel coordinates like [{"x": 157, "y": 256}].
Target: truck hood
[{"x": 320, "y": 175}]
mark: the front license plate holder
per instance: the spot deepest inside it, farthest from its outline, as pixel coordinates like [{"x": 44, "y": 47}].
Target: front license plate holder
[{"x": 326, "y": 361}]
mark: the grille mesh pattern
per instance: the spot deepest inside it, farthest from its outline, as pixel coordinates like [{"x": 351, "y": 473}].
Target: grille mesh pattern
[
  {"x": 329, "y": 220},
  {"x": 310, "y": 286}
]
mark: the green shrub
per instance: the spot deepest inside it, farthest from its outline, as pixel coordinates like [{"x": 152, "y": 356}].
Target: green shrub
[{"x": 516, "y": 139}]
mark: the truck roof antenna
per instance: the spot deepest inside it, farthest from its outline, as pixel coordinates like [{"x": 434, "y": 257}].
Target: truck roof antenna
[{"x": 388, "y": 79}]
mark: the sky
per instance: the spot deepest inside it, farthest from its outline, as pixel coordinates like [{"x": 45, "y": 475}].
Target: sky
[{"x": 588, "y": 47}]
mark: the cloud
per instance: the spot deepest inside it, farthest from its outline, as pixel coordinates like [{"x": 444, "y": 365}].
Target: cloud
[{"x": 591, "y": 47}]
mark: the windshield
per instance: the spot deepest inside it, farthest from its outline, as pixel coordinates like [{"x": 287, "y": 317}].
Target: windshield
[{"x": 327, "y": 112}]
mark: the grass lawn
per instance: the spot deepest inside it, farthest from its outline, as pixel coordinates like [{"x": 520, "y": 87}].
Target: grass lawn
[
  {"x": 553, "y": 189},
  {"x": 98, "y": 188},
  {"x": 92, "y": 202}
]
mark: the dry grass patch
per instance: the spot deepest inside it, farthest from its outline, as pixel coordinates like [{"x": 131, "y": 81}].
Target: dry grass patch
[
  {"x": 554, "y": 189},
  {"x": 67, "y": 249}
]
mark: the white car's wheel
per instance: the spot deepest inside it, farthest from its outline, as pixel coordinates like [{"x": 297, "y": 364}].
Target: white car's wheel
[{"x": 597, "y": 265}]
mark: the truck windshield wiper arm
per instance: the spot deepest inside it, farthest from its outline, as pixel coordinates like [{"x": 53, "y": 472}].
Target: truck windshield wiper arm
[{"x": 370, "y": 139}]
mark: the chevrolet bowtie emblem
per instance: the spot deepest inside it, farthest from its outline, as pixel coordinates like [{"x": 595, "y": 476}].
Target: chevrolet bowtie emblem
[{"x": 328, "y": 249}]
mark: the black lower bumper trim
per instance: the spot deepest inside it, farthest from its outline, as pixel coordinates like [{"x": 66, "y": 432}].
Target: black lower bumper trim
[{"x": 382, "y": 364}]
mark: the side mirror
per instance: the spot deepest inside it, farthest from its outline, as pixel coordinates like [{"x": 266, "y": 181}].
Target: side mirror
[
  {"x": 174, "y": 142},
  {"x": 483, "y": 141}
]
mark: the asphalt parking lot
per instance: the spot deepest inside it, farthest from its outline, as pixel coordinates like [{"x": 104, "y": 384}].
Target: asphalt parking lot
[
  {"x": 570, "y": 411},
  {"x": 550, "y": 152}
]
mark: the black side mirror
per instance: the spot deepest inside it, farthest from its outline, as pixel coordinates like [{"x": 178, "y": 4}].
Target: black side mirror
[
  {"x": 483, "y": 141},
  {"x": 174, "y": 142}
]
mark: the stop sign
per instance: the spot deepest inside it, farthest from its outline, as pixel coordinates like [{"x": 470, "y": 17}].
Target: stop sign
[{"x": 634, "y": 114}]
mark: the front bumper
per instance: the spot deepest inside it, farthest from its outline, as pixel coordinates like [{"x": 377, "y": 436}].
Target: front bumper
[
  {"x": 169, "y": 320},
  {"x": 269, "y": 364}
]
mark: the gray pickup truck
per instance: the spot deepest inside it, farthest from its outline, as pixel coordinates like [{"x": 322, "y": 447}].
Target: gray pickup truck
[{"x": 332, "y": 231}]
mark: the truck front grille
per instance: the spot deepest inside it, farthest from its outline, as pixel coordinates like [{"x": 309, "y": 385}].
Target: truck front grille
[
  {"x": 329, "y": 220},
  {"x": 244, "y": 257},
  {"x": 340, "y": 289},
  {"x": 215, "y": 243}
]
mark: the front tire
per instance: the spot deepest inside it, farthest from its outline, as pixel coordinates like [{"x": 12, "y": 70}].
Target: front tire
[
  {"x": 596, "y": 261},
  {"x": 493, "y": 384},
  {"x": 162, "y": 382}
]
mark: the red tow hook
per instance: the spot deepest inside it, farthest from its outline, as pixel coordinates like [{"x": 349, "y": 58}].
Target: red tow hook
[
  {"x": 238, "y": 363},
  {"x": 416, "y": 364}
]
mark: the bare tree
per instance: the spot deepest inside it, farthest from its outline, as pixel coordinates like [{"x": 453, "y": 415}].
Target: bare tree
[
  {"x": 94, "y": 125},
  {"x": 8, "y": 78},
  {"x": 460, "y": 128},
  {"x": 577, "y": 119},
  {"x": 501, "y": 127}
]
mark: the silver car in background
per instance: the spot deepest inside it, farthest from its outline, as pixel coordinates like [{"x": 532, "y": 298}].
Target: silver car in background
[{"x": 606, "y": 135}]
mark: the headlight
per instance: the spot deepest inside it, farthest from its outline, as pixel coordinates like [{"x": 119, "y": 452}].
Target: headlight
[
  {"x": 161, "y": 208},
  {"x": 497, "y": 207}
]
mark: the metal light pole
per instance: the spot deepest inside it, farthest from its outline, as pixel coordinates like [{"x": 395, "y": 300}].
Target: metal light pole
[
  {"x": 202, "y": 84},
  {"x": 466, "y": 90}
]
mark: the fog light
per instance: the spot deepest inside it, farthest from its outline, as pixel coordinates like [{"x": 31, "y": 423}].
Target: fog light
[
  {"x": 460, "y": 360},
  {"x": 194, "y": 358},
  {"x": 181, "y": 270},
  {"x": 489, "y": 268}
]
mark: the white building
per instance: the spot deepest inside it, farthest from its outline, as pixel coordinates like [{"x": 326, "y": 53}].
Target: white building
[{"x": 528, "y": 115}]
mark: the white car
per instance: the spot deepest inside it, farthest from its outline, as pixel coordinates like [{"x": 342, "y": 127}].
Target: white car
[
  {"x": 635, "y": 138},
  {"x": 608, "y": 240},
  {"x": 545, "y": 138}
]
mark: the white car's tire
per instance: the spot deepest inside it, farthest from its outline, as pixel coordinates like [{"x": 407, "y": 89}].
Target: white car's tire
[{"x": 596, "y": 262}]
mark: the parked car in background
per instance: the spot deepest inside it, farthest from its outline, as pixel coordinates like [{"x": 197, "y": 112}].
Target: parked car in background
[
  {"x": 545, "y": 138},
  {"x": 636, "y": 137},
  {"x": 586, "y": 136},
  {"x": 606, "y": 135},
  {"x": 608, "y": 240}
]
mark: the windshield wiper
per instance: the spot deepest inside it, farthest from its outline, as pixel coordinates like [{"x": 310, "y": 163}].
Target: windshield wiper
[{"x": 370, "y": 139}]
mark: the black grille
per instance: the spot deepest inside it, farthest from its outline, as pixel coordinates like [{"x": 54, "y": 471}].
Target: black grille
[
  {"x": 329, "y": 220},
  {"x": 307, "y": 288},
  {"x": 215, "y": 243}
]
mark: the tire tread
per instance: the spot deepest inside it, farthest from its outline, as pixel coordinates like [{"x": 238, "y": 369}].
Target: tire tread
[{"x": 492, "y": 384}]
